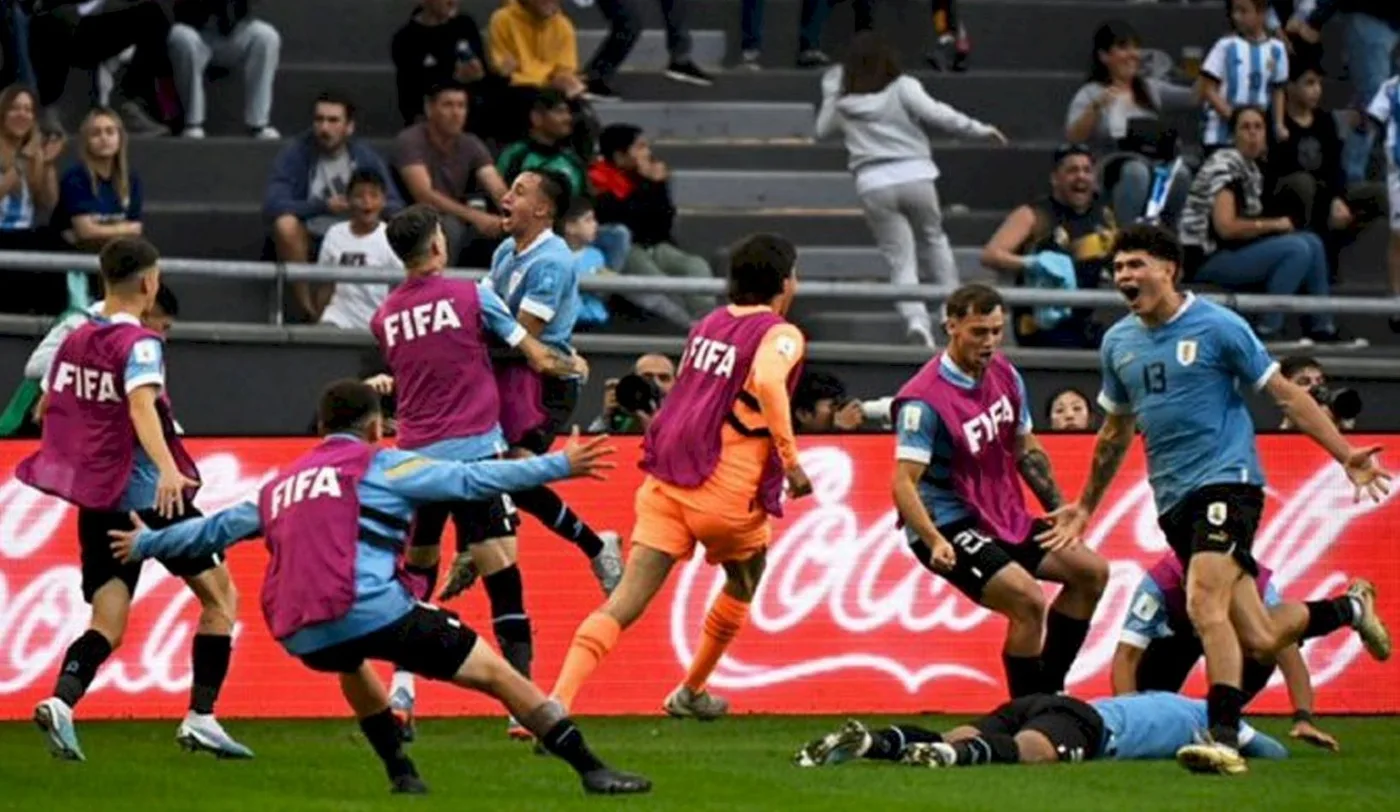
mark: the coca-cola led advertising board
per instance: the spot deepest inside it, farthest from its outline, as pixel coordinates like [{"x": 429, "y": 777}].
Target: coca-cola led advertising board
[{"x": 846, "y": 620}]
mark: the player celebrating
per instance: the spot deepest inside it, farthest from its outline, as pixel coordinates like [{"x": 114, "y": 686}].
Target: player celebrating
[
  {"x": 433, "y": 333},
  {"x": 109, "y": 447},
  {"x": 335, "y": 521},
  {"x": 964, "y": 433},
  {"x": 1172, "y": 367},
  {"x": 716, "y": 455},
  {"x": 1039, "y": 729},
  {"x": 1158, "y": 648}
]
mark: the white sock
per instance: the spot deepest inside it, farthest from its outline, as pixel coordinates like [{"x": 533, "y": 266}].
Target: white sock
[
  {"x": 402, "y": 681},
  {"x": 1357, "y": 611}
]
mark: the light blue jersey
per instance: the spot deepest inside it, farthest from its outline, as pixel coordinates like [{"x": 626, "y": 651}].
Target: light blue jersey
[
  {"x": 1149, "y": 617},
  {"x": 1249, "y": 71},
  {"x": 396, "y": 483},
  {"x": 1182, "y": 381},
  {"x": 541, "y": 281},
  {"x": 923, "y": 438},
  {"x": 1155, "y": 724}
]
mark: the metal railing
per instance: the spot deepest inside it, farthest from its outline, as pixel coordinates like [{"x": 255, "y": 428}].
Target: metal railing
[{"x": 611, "y": 283}]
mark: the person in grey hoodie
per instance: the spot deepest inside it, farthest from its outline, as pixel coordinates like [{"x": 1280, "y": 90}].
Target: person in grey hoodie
[{"x": 884, "y": 117}]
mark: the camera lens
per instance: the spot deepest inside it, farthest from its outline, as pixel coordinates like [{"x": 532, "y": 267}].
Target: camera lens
[{"x": 1346, "y": 404}]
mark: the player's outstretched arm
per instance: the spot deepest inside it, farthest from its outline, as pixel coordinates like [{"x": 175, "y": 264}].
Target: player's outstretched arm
[
  {"x": 1300, "y": 693},
  {"x": 1034, "y": 464},
  {"x": 1071, "y": 520},
  {"x": 1304, "y": 412},
  {"x": 546, "y": 360},
  {"x": 1123, "y": 676},
  {"x": 193, "y": 538},
  {"x": 422, "y": 480}
]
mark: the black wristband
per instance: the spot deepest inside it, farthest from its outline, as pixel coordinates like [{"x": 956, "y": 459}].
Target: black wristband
[{"x": 1301, "y": 715}]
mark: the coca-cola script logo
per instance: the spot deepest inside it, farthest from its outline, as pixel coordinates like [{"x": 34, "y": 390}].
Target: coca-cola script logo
[{"x": 841, "y": 580}]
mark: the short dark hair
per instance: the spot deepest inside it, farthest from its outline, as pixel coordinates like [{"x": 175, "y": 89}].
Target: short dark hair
[
  {"x": 548, "y": 98},
  {"x": 557, "y": 189},
  {"x": 336, "y": 97},
  {"x": 411, "y": 231},
  {"x": 1068, "y": 390},
  {"x": 123, "y": 258},
  {"x": 1152, "y": 240},
  {"x": 346, "y": 405},
  {"x": 973, "y": 299},
  {"x": 166, "y": 301},
  {"x": 365, "y": 176},
  {"x": 814, "y": 387},
  {"x": 758, "y": 267},
  {"x": 578, "y": 207},
  {"x": 1070, "y": 150},
  {"x": 438, "y": 88},
  {"x": 617, "y": 138},
  {"x": 1244, "y": 110},
  {"x": 1294, "y": 364}
]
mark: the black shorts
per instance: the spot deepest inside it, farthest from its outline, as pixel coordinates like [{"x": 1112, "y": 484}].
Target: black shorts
[
  {"x": 1216, "y": 519},
  {"x": 428, "y": 641},
  {"x": 980, "y": 557},
  {"x": 560, "y": 398},
  {"x": 1072, "y": 725},
  {"x": 1167, "y": 662},
  {"x": 475, "y": 522},
  {"x": 95, "y": 549}
]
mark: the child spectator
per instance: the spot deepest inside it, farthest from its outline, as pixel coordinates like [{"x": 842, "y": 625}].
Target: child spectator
[
  {"x": 1244, "y": 68},
  {"x": 580, "y": 232},
  {"x": 359, "y": 242},
  {"x": 1384, "y": 112}
]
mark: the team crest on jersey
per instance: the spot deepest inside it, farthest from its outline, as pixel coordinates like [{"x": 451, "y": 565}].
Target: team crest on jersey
[{"x": 1186, "y": 352}]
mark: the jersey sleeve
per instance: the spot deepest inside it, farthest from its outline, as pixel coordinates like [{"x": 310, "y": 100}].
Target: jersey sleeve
[
  {"x": 419, "y": 479},
  {"x": 1242, "y": 351},
  {"x": 1279, "y": 77},
  {"x": 1147, "y": 616},
  {"x": 1113, "y": 397},
  {"x": 915, "y": 427},
  {"x": 201, "y": 536},
  {"x": 544, "y": 289},
  {"x": 496, "y": 317},
  {"x": 1026, "y": 422},
  {"x": 1257, "y": 744},
  {"x": 145, "y": 366},
  {"x": 1214, "y": 64},
  {"x": 1379, "y": 109}
]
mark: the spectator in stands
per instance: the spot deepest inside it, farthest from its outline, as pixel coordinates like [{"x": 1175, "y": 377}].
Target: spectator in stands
[
  {"x": 100, "y": 197},
  {"x": 1383, "y": 112},
  {"x": 1229, "y": 242},
  {"x": 953, "y": 47},
  {"x": 581, "y": 233},
  {"x": 28, "y": 191},
  {"x": 658, "y": 375},
  {"x": 625, "y": 28},
  {"x": 633, "y": 189},
  {"x": 1115, "y": 113},
  {"x": 224, "y": 34},
  {"x": 547, "y": 145},
  {"x": 1246, "y": 67},
  {"x": 358, "y": 243},
  {"x": 1070, "y": 410},
  {"x": 451, "y": 170},
  {"x": 533, "y": 42},
  {"x": 19, "y": 68},
  {"x": 1071, "y": 222},
  {"x": 306, "y": 191},
  {"x": 812, "y": 19},
  {"x": 440, "y": 45},
  {"x": 820, "y": 404},
  {"x": 1307, "y": 372},
  {"x": 885, "y": 117}
]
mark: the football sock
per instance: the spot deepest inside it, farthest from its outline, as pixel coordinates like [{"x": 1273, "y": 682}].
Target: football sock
[
  {"x": 724, "y": 620},
  {"x": 566, "y": 741},
  {"x": 506, "y": 592},
  {"x": 1023, "y": 675},
  {"x": 383, "y": 734},
  {"x": 1327, "y": 616},
  {"x": 1064, "y": 636},
  {"x": 422, "y": 580},
  {"x": 989, "y": 748},
  {"x": 595, "y": 637},
  {"x": 1224, "y": 703},
  {"x": 1256, "y": 676},
  {"x": 889, "y": 744},
  {"x": 544, "y": 504},
  {"x": 80, "y": 665},
  {"x": 211, "y": 654}
]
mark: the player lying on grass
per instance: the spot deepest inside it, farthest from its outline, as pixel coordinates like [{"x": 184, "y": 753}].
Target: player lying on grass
[
  {"x": 335, "y": 521},
  {"x": 1040, "y": 729}
]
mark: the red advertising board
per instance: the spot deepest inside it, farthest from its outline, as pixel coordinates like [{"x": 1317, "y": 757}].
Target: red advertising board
[{"x": 846, "y": 620}]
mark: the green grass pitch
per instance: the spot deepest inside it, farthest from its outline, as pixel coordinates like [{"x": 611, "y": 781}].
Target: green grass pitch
[{"x": 740, "y": 763}]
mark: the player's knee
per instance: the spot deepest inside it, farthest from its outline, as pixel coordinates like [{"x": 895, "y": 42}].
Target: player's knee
[
  {"x": 422, "y": 556},
  {"x": 1092, "y": 578},
  {"x": 1207, "y": 609},
  {"x": 1026, "y": 608},
  {"x": 741, "y": 581},
  {"x": 288, "y": 227}
]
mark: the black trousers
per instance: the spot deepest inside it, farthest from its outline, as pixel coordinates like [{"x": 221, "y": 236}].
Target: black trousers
[
  {"x": 625, "y": 27},
  {"x": 57, "y": 44}
]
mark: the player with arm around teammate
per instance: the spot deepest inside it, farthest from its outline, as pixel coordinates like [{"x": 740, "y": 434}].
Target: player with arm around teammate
[
  {"x": 1173, "y": 368},
  {"x": 964, "y": 445},
  {"x": 335, "y": 522}
]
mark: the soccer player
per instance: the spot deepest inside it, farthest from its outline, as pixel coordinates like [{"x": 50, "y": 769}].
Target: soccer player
[
  {"x": 1172, "y": 369},
  {"x": 533, "y": 271},
  {"x": 716, "y": 456},
  {"x": 110, "y": 446},
  {"x": 1039, "y": 729},
  {"x": 964, "y": 444},
  {"x": 335, "y": 522},
  {"x": 1157, "y": 647},
  {"x": 434, "y": 334}
]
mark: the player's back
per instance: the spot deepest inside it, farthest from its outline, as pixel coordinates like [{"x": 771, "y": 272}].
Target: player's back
[
  {"x": 1151, "y": 725},
  {"x": 1182, "y": 381}
]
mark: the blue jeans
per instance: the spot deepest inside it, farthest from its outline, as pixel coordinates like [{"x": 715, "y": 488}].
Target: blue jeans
[
  {"x": 809, "y": 37},
  {"x": 18, "y": 47},
  {"x": 615, "y": 241},
  {"x": 1370, "y": 43},
  {"x": 1284, "y": 264}
]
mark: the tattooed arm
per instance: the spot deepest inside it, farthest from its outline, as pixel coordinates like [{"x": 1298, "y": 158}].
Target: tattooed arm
[
  {"x": 547, "y": 360},
  {"x": 1034, "y": 465},
  {"x": 1112, "y": 445}
]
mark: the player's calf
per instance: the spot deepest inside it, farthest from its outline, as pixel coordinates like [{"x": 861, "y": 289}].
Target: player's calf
[{"x": 366, "y": 696}]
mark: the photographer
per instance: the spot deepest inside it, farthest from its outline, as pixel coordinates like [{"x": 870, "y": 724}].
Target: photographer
[
  {"x": 821, "y": 405},
  {"x": 630, "y": 401},
  {"x": 1343, "y": 405}
]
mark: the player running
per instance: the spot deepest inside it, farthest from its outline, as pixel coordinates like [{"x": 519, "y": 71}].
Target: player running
[
  {"x": 964, "y": 434},
  {"x": 533, "y": 271},
  {"x": 716, "y": 455},
  {"x": 335, "y": 522},
  {"x": 435, "y": 334},
  {"x": 110, "y": 446},
  {"x": 1158, "y": 648},
  {"x": 1172, "y": 368},
  {"x": 1040, "y": 729}
]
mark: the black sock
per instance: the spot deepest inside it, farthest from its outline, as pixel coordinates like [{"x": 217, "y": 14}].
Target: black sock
[
  {"x": 1023, "y": 675},
  {"x": 211, "y": 654},
  {"x": 989, "y": 748},
  {"x": 506, "y": 592},
  {"x": 383, "y": 734},
  {"x": 544, "y": 504},
  {"x": 1327, "y": 616},
  {"x": 1256, "y": 678},
  {"x": 1064, "y": 636},
  {"x": 889, "y": 744},
  {"x": 565, "y": 740},
  {"x": 80, "y": 665},
  {"x": 428, "y": 575},
  {"x": 1224, "y": 704}
]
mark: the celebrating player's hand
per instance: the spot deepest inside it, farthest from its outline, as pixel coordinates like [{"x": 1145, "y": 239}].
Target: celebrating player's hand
[
  {"x": 944, "y": 556},
  {"x": 586, "y": 459},
  {"x": 1067, "y": 526},
  {"x": 798, "y": 483},
  {"x": 170, "y": 493},
  {"x": 1308, "y": 732},
  {"x": 581, "y": 367},
  {"x": 1366, "y": 475},
  {"x": 124, "y": 541},
  {"x": 850, "y": 416},
  {"x": 383, "y": 384}
]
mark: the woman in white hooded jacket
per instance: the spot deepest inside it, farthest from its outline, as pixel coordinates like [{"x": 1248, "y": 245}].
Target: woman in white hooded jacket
[{"x": 884, "y": 117}]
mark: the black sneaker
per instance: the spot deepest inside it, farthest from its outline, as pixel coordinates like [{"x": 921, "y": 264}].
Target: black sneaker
[
  {"x": 687, "y": 71},
  {"x": 1395, "y": 324},
  {"x": 409, "y": 785},
  {"x": 600, "y": 91},
  {"x": 813, "y": 58},
  {"x": 613, "y": 782}
]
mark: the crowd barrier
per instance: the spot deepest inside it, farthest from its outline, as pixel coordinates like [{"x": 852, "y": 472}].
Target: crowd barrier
[{"x": 846, "y": 621}]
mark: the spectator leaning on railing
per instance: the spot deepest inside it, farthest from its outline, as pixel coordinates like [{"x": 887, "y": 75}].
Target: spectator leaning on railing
[{"x": 224, "y": 34}]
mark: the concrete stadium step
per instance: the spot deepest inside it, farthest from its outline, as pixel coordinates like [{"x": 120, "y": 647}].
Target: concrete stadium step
[
  {"x": 854, "y": 263},
  {"x": 702, "y": 231}
]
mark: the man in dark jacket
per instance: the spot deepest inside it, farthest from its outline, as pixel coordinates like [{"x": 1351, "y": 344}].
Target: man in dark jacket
[{"x": 442, "y": 45}]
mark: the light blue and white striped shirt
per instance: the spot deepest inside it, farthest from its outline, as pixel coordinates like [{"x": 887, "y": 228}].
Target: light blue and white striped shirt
[
  {"x": 17, "y": 207},
  {"x": 1248, "y": 73},
  {"x": 1384, "y": 109}
]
